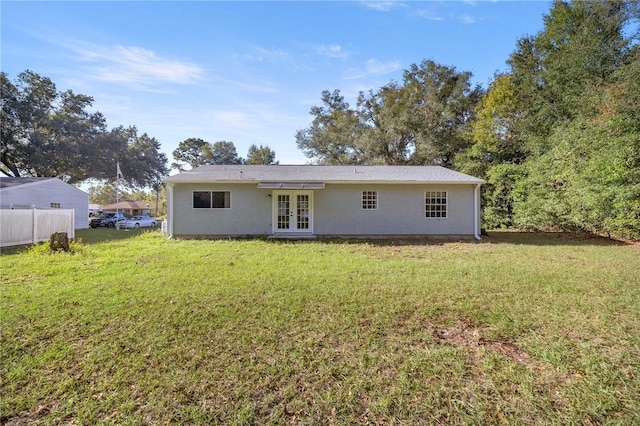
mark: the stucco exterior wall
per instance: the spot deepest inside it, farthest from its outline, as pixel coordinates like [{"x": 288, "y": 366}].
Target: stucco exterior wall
[
  {"x": 337, "y": 211},
  {"x": 250, "y": 212},
  {"x": 401, "y": 210}
]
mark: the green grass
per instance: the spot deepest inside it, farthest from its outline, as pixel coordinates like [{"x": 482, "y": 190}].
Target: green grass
[{"x": 132, "y": 328}]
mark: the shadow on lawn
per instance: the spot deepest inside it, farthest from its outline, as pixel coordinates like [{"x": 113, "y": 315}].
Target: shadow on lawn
[
  {"x": 89, "y": 236},
  {"x": 100, "y": 235},
  {"x": 550, "y": 238},
  {"x": 495, "y": 237}
]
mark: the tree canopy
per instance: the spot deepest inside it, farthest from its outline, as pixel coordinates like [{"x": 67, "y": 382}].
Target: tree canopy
[
  {"x": 48, "y": 133},
  {"x": 262, "y": 155},
  {"x": 195, "y": 152},
  {"x": 558, "y": 136},
  {"x": 421, "y": 121}
]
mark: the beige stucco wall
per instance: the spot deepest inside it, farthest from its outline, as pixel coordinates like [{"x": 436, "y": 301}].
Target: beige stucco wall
[
  {"x": 250, "y": 212},
  {"x": 401, "y": 211},
  {"x": 337, "y": 210}
]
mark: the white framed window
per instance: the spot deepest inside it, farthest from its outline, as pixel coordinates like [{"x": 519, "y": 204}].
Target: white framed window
[
  {"x": 435, "y": 204},
  {"x": 211, "y": 199},
  {"x": 369, "y": 200},
  {"x": 56, "y": 205}
]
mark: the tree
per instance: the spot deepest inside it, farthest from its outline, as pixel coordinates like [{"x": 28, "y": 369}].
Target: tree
[
  {"x": 421, "y": 121},
  {"x": 333, "y": 137},
  {"x": 580, "y": 47},
  {"x": 443, "y": 108},
  {"x": 577, "y": 125},
  {"x": 260, "y": 155},
  {"x": 224, "y": 152},
  {"x": 141, "y": 162},
  {"x": 51, "y": 134},
  {"x": 47, "y": 133},
  {"x": 196, "y": 152},
  {"x": 105, "y": 193},
  {"x": 193, "y": 152}
]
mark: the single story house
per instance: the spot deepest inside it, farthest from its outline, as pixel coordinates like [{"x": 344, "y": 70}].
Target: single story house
[
  {"x": 44, "y": 193},
  {"x": 322, "y": 201},
  {"x": 129, "y": 208}
]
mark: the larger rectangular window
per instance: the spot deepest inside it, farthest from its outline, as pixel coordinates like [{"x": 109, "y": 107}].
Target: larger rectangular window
[
  {"x": 435, "y": 204},
  {"x": 211, "y": 199}
]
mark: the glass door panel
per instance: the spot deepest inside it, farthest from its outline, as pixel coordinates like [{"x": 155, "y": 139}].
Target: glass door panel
[
  {"x": 284, "y": 211},
  {"x": 302, "y": 211}
]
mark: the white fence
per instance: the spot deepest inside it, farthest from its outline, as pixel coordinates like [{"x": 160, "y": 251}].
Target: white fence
[{"x": 33, "y": 226}]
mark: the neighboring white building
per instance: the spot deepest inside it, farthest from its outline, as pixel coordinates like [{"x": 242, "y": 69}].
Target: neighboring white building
[
  {"x": 94, "y": 209},
  {"x": 44, "y": 193},
  {"x": 311, "y": 201}
]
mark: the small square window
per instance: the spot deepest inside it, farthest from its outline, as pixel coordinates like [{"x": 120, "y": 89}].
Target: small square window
[
  {"x": 56, "y": 205},
  {"x": 369, "y": 200},
  {"x": 435, "y": 204}
]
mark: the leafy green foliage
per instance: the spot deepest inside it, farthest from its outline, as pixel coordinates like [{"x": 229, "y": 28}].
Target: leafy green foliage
[
  {"x": 421, "y": 121},
  {"x": 262, "y": 155},
  {"x": 558, "y": 137},
  {"x": 52, "y": 134},
  {"x": 195, "y": 152}
]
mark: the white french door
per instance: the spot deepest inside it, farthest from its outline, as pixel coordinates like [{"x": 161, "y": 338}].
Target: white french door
[{"x": 292, "y": 211}]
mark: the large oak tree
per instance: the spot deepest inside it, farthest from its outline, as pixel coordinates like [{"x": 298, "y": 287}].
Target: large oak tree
[{"x": 48, "y": 133}]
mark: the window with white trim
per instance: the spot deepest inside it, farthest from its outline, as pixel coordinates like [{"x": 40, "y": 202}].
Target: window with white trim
[
  {"x": 211, "y": 199},
  {"x": 369, "y": 200},
  {"x": 56, "y": 205},
  {"x": 435, "y": 204}
]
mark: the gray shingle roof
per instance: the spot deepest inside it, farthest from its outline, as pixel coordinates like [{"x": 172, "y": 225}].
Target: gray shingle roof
[
  {"x": 10, "y": 182},
  {"x": 326, "y": 174}
]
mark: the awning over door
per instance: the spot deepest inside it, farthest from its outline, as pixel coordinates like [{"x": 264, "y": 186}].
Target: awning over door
[{"x": 291, "y": 185}]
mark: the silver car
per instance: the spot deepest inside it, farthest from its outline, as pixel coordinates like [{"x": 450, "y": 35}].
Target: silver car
[{"x": 138, "y": 222}]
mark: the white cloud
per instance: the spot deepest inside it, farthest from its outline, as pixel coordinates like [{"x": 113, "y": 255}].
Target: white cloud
[
  {"x": 138, "y": 66},
  {"x": 382, "y": 6},
  {"x": 467, "y": 19},
  {"x": 261, "y": 54},
  {"x": 381, "y": 68},
  {"x": 427, "y": 14},
  {"x": 373, "y": 68},
  {"x": 332, "y": 51}
]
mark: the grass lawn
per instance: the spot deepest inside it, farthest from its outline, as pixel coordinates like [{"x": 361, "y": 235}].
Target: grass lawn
[{"x": 133, "y": 328}]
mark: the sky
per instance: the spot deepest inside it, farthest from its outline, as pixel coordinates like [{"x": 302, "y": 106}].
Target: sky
[{"x": 248, "y": 72}]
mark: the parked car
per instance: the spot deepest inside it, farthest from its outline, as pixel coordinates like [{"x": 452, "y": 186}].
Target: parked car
[
  {"x": 138, "y": 222},
  {"x": 108, "y": 220}
]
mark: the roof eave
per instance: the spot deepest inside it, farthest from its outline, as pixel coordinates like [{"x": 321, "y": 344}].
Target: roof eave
[{"x": 340, "y": 182}]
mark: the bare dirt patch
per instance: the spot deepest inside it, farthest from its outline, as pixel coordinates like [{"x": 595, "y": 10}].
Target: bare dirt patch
[{"x": 465, "y": 334}]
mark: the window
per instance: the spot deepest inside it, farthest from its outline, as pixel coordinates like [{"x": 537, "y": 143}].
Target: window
[
  {"x": 369, "y": 200},
  {"x": 220, "y": 199},
  {"x": 435, "y": 204},
  {"x": 56, "y": 205},
  {"x": 211, "y": 199}
]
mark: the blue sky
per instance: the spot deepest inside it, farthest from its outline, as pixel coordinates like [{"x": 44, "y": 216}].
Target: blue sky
[{"x": 248, "y": 72}]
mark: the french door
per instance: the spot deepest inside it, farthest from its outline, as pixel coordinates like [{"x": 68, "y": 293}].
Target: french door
[{"x": 292, "y": 211}]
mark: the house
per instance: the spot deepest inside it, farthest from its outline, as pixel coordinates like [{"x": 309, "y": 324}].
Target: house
[
  {"x": 44, "y": 193},
  {"x": 129, "y": 208},
  {"x": 318, "y": 201},
  {"x": 94, "y": 209}
]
